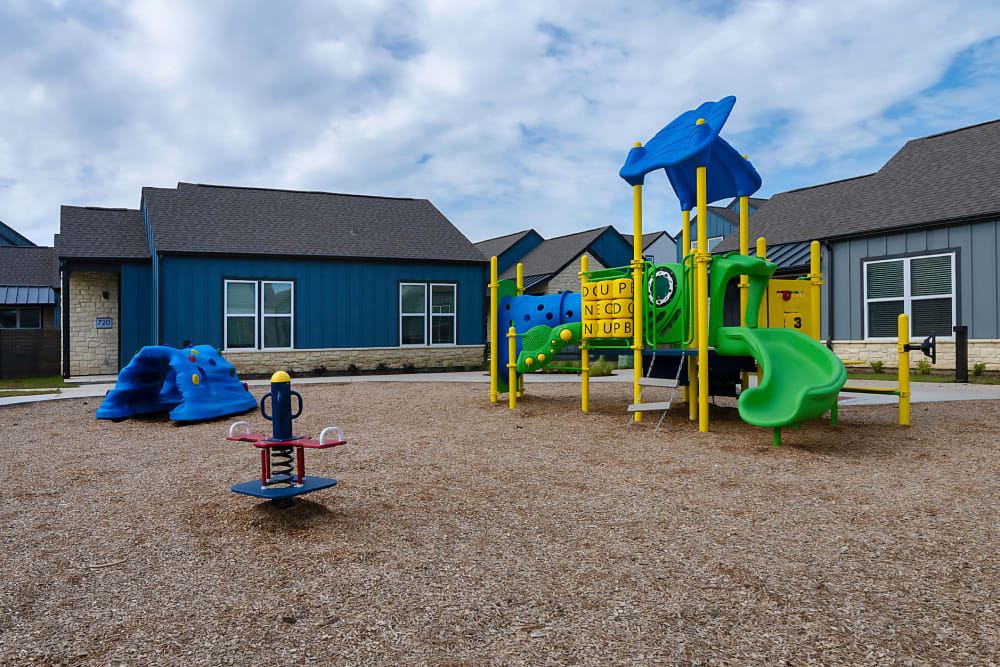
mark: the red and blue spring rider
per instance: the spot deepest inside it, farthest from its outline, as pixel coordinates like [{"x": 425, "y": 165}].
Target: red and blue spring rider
[{"x": 278, "y": 482}]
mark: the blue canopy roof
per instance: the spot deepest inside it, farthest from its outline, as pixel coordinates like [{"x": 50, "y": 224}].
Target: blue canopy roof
[{"x": 684, "y": 145}]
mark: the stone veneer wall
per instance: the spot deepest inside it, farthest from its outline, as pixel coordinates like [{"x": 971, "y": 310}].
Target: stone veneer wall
[
  {"x": 569, "y": 278},
  {"x": 259, "y": 362},
  {"x": 980, "y": 351},
  {"x": 93, "y": 351}
]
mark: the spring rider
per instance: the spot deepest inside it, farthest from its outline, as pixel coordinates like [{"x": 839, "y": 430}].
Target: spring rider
[{"x": 277, "y": 482}]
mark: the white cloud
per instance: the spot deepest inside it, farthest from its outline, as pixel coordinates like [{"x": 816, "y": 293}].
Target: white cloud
[{"x": 526, "y": 111}]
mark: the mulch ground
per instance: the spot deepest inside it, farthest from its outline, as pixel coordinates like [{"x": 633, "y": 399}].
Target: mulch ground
[{"x": 463, "y": 533}]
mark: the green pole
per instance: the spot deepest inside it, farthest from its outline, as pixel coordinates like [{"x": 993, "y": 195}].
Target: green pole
[{"x": 777, "y": 437}]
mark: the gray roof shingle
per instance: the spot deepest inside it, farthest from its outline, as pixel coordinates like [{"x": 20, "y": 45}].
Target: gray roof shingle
[
  {"x": 28, "y": 266},
  {"x": 88, "y": 232},
  {"x": 552, "y": 255},
  {"x": 944, "y": 177},
  {"x": 501, "y": 244},
  {"x": 256, "y": 221},
  {"x": 646, "y": 238}
]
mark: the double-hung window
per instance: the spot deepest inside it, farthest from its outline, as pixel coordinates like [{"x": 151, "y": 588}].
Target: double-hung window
[
  {"x": 427, "y": 313},
  {"x": 260, "y": 314},
  {"x": 923, "y": 287}
]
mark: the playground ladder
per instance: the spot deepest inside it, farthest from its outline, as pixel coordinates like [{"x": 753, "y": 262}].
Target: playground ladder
[{"x": 647, "y": 381}]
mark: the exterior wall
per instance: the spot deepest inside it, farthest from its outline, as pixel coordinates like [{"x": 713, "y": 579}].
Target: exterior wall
[
  {"x": 569, "y": 278},
  {"x": 93, "y": 351},
  {"x": 136, "y": 309},
  {"x": 717, "y": 226},
  {"x": 663, "y": 250},
  {"x": 338, "y": 304},
  {"x": 978, "y": 280},
  {"x": 339, "y": 359},
  {"x": 612, "y": 248},
  {"x": 980, "y": 351},
  {"x": 514, "y": 254}
]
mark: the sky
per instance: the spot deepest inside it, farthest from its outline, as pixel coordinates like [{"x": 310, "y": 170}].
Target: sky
[{"x": 507, "y": 114}]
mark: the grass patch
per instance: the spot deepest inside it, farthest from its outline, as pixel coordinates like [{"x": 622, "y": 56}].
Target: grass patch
[
  {"x": 7, "y": 394},
  {"x": 916, "y": 377},
  {"x": 20, "y": 384}
]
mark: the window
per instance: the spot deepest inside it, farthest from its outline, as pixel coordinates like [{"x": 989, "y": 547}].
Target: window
[
  {"x": 259, "y": 315},
  {"x": 20, "y": 318},
  {"x": 427, "y": 313},
  {"x": 712, "y": 242},
  {"x": 922, "y": 287}
]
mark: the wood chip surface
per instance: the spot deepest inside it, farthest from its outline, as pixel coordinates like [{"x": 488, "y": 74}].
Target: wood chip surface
[{"x": 463, "y": 533}]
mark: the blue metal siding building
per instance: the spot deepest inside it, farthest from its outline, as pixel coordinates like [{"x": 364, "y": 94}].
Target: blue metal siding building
[{"x": 338, "y": 303}]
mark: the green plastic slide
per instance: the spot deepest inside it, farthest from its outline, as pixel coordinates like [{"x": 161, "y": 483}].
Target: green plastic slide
[{"x": 801, "y": 376}]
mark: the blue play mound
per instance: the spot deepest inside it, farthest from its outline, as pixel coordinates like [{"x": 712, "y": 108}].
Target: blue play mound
[{"x": 191, "y": 383}]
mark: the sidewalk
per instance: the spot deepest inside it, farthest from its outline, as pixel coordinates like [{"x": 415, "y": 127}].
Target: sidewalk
[{"x": 921, "y": 392}]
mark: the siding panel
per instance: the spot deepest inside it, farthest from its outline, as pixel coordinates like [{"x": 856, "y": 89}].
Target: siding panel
[
  {"x": 984, "y": 286},
  {"x": 960, "y": 236},
  {"x": 136, "y": 326}
]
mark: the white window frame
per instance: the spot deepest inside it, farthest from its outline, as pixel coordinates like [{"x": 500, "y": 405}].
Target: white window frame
[
  {"x": 427, "y": 292},
  {"x": 907, "y": 298},
  {"x": 264, "y": 316},
  {"x": 432, "y": 315},
  {"x": 717, "y": 239},
  {"x": 227, "y": 315},
  {"x": 427, "y": 314}
]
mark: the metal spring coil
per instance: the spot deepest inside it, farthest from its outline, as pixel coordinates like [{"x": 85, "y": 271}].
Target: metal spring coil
[{"x": 281, "y": 467}]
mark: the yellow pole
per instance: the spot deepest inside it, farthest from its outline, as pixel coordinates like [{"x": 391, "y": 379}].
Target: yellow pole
[
  {"x": 584, "y": 352},
  {"x": 702, "y": 259},
  {"x": 494, "y": 338},
  {"x": 762, "y": 315},
  {"x": 744, "y": 280},
  {"x": 520, "y": 292},
  {"x": 904, "y": 370},
  {"x": 637, "y": 266},
  {"x": 511, "y": 367},
  {"x": 815, "y": 280},
  {"x": 685, "y": 249}
]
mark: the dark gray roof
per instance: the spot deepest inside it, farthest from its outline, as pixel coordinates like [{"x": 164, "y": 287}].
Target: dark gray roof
[
  {"x": 89, "y": 232},
  {"x": 552, "y": 255},
  {"x": 17, "y": 296},
  {"x": 942, "y": 178},
  {"x": 28, "y": 266},
  {"x": 646, "y": 238},
  {"x": 256, "y": 221},
  {"x": 788, "y": 256},
  {"x": 501, "y": 244}
]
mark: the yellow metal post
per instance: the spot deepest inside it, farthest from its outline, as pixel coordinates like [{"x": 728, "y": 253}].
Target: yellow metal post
[
  {"x": 494, "y": 342},
  {"x": 744, "y": 280},
  {"x": 762, "y": 315},
  {"x": 637, "y": 266},
  {"x": 511, "y": 367},
  {"x": 685, "y": 249},
  {"x": 815, "y": 282},
  {"x": 584, "y": 352},
  {"x": 904, "y": 370},
  {"x": 520, "y": 292},
  {"x": 702, "y": 259}
]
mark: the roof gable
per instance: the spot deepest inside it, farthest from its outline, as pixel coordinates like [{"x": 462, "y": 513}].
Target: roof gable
[
  {"x": 501, "y": 244},
  {"x": 11, "y": 237},
  {"x": 257, "y": 221},
  {"x": 553, "y": 255}
]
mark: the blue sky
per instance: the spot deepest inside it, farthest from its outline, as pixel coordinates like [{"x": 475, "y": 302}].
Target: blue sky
[{"x": 507, "y": 114}]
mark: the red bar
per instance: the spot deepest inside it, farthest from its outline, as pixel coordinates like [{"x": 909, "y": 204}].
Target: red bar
[
  {"x": 300, "y": 458},
  {"x": 264, "y": 467}
]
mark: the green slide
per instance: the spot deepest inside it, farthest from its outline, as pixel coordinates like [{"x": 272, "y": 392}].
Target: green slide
[{"x": 801, "y": 376}]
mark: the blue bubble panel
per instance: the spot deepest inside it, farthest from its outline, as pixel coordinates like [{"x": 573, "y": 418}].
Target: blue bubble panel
[{"x": 309, "y": 484}]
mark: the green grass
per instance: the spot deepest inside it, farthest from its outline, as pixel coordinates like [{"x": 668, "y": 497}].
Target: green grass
[
  {"x": 7, "y": 394},
  {"x": 52, "y": 382},
  {"x": 916, "y": 377}
]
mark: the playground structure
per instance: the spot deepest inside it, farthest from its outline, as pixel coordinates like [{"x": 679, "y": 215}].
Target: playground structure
[
  {"x": 191, "y": 384},
  {"x": 673, "y": 316},
  {"x": 278, "y": 483}
]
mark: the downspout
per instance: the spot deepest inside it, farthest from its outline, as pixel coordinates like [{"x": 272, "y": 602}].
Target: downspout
[{"x": 829, "y": 294}]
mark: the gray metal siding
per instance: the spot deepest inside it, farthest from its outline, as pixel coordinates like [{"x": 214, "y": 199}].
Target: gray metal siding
[{"x": 977, "y": 277}]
